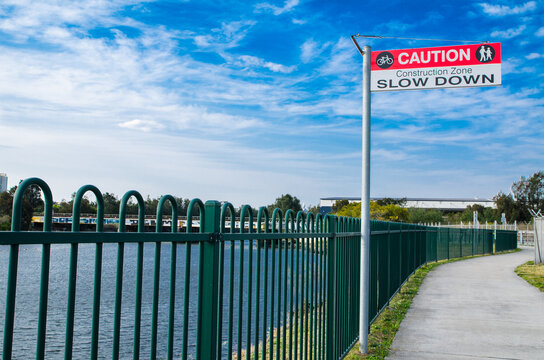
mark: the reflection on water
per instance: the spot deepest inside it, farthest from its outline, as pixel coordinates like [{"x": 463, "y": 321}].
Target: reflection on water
[{"x": 26, "y": 314}]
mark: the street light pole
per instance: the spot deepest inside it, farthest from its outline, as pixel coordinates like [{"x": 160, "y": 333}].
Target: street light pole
[{"x": 365, "y": 204}]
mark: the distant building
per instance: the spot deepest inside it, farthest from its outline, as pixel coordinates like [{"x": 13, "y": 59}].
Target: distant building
[
  {"x": 450, "y": 205},
  {"x": 3, "y": 182}
]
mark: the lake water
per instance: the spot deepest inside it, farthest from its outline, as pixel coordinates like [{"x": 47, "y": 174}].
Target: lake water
[{"x": 28, "y": 282}]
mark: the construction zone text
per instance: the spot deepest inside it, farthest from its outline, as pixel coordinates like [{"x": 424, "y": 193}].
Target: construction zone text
[{"x": 432, "y": 68}]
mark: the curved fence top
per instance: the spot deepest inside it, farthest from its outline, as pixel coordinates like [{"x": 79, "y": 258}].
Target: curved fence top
[
  {"x": 123, "y": 210},
  {"x": 227, "y": 206},
  {"x": 190, "y": 209},
  {"x": 160, "y": 208},
  {"x": 76, "y": 209},
  {"x": 18, "y": 203}
]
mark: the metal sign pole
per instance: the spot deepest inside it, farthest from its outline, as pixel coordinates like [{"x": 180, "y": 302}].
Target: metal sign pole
[{"x": 365, "y": 208}]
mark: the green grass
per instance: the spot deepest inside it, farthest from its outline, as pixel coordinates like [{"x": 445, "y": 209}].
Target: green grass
[
  {"x": 533, "y": 274},
  {"x": 385, "y": 327}
]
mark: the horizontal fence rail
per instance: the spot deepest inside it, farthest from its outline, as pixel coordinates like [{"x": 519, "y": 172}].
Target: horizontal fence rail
[{"x": 263, "y": 286}]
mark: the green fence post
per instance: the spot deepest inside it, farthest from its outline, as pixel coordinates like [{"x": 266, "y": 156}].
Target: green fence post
[
  {"x": 331, "y": 290},
  {"x": 11, "y": 287},
  {"x": 208, "y": 284},
  {"x": 448, "y": 242}
]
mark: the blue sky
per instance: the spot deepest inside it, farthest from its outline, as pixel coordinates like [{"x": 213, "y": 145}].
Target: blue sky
[{"x": 245, "y": 101}]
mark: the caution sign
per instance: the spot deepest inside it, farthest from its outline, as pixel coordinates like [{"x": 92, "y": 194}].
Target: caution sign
[{"x": 436, "y": 68}]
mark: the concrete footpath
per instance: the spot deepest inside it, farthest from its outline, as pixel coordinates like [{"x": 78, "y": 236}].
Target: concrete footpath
[{"x": 474, "y": 309}]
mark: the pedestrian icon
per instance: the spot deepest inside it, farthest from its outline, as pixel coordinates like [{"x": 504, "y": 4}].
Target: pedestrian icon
[{"x": 485, "y": 53}]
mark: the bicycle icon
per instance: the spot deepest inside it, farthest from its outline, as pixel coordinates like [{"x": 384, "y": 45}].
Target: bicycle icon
[{"x": 384, "y": 60}]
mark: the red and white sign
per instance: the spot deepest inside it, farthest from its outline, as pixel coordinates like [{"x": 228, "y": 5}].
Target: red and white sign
[{"x": 436, "y": 68}]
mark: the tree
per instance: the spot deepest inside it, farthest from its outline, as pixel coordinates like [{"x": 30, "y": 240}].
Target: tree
[
  {"x": 511, "y": 209},
  {"x": 111, "y": 203},
  {"x": 351, "y": 209},
  {"x": 419, "y": 215},
  {"x": 339, "y": 204},
  {"x": 286, "y": 202},
  {"x": 6, "y": 203},
  {"x": 529, "y": 194},
  {"x": 390, "y": 201},
  {"x": 314, "y": 209},
  {"x": 66, "y": 207},
  {"x": 32, "y": 201},
  {"x": 389, "y": 212},
  {"x": 526, "y": 194}
]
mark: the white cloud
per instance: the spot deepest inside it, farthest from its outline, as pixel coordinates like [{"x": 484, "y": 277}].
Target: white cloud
[
  {"x": 203, "y": 40},
  {"x": 502, "y": 10},
  {"x": 310, "y": 49},
  {"x": 253, "y": 61},
  {"x": 276, "y": 10},
  {"x": 510, "y": 33},
  {"x": 540, "y": 32},
  {"x": 341, "y": 60},
  {"x": 532, "y": 56},
  {"x": 142, "y": 125},
  {"x": 228, "y": 36}
]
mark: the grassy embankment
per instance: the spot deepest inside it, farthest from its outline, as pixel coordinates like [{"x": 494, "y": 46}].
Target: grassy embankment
[{"x": 533, "y": 274}]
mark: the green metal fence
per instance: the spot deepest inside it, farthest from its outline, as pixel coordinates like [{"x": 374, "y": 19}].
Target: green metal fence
[{"x": 264, "y": 286}]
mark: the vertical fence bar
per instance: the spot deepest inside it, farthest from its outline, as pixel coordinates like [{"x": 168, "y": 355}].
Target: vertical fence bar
[
  {"x": 331, "y": 291},
  {"x": 208, "y": 286},
  {"x": 157, "y": 268},
  {"x": 325, "y": 272},
  {"x": 257, "y": 294},
  {"x": 46, "y": 254},
  {"x": 300, "y": 229},
  {"x": 279, "y": 331},
  {"x": 226, "y": 207},
  {"x": 276, "y": 216},
  {"x": 172, "y": 300},
  {"x": 70, "y": 308},
  {"x": 318, "y": 303},
  {"x": 231, "y": 300},
  {"x": 189, "y": 229},
  {"x": 309, "y": 291},
  {"x": 272, "y": 293},
  {"x": 248, "y": 209},
  {"x": 240, "y": 294},
  {"x": 97, "y": 278},
  {"x": 138, "y": 300},
  {"x": 139, "y": 271},
  {"x": 265, "y": 296},
  {"x": 95, "y": 327},
  {"x": 285, "y": 299},
  {"x": 118, "y": 298},
  {"x": 290, "y": 227},
  {"x": 306, "y": 287},
  {"x": 42, "y": 316},
  {"x": 262, "y": 226},
  {"x": 313, "y": 298},
  {"x": 10, "y": 301},
  {"x": 11, "y": 290}
]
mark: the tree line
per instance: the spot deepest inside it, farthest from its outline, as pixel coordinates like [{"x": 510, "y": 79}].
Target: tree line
[
  {"x": 33, "y": 203},
  {"x": 526, "y": 194}
]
